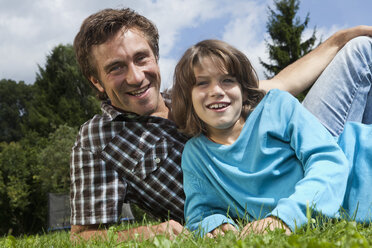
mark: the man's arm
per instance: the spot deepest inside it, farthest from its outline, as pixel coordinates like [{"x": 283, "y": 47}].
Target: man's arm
[
  {"x": 301, "y": 74},
  {"x": 169, "y": 228},
  {"x": 82, "y": 163}
]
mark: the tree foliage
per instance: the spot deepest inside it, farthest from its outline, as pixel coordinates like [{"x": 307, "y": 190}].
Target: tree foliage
[
  {"x": 62, "y": 94},
  {"x": 14, "y": 100},
  {"x": 21, "y": 200},
  {"x": 29, "y": 170},
  {"x": 285, "y": 30},
  {"x": 38, "y": 126},
  {"x": 53, "y": 160}
]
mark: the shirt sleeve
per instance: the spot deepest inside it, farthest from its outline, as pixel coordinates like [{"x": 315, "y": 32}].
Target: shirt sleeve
[
  {"x": 200, "y": 216},
  {"x": 96, "y": 193},
  {"x": 322, "y": 188}
]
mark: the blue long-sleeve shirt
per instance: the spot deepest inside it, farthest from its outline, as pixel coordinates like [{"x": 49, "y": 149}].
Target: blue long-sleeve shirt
[{"x": 283, "y": 160}]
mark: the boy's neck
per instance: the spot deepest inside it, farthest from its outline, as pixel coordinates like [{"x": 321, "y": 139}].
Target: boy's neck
[{"x": 226, "y": 136}]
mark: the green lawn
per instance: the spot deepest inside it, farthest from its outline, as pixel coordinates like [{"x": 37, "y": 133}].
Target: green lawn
[{"x": 336, "y": 234}]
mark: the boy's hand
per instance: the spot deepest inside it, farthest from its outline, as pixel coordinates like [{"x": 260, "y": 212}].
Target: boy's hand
[
  {"x": 221, "y": 230},
  {"x": 261, "y": 226}
]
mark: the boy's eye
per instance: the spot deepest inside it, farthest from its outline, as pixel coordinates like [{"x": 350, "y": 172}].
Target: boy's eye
[
  {"x": 201, "y": 83},
  {"x": 229, "y": 80}
]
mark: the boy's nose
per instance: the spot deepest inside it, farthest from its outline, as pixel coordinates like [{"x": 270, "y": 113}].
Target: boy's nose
[{"x": 216, "y": 90}]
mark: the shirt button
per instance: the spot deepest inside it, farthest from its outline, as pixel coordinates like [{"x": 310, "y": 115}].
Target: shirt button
[{"x": 157, "y": 160}]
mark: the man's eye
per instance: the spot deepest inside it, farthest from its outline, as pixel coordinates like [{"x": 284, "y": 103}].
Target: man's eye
[
  {"x": 141, "y": 58},
  {"x": 116, "y": 69}
]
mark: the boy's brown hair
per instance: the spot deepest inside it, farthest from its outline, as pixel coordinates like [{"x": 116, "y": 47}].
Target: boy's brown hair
[
  {"x": 223, "y": 55},
  {"x": 103, "y": 25}
]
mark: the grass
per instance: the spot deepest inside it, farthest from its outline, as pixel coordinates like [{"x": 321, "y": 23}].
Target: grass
[{"x": 329, "y": 234}]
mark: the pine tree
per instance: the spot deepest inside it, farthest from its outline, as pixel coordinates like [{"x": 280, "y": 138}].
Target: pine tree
[
  {"x": 285, "y": 30},
  {"x": 14, "y": 101},
  {"x": 62, "y": 94}
]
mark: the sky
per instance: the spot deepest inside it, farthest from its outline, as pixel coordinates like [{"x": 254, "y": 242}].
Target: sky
[{"x": 30, "y": 29}]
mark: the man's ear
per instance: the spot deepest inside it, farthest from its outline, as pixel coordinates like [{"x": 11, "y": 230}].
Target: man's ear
[{"x": 97, "y": 84}]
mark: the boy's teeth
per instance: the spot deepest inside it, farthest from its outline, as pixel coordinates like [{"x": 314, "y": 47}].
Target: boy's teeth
[{"x": 217, "y": 105}]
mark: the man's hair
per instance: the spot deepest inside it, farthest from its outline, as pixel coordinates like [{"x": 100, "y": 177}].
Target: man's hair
[
  {"x": 225, "y": 57},
  {"x": 102, "y": 26}
]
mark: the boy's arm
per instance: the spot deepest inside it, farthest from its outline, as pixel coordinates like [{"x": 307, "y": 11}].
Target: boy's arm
[
  {"x": 320, "y": 186},
  {"x": 204, "y": 214},
  {"x": 201, "y": 213},
  {"x": 301, "y": 74}
]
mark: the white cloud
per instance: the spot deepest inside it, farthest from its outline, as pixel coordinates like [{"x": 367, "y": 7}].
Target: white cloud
[
  {"x": 246, "y": 31},
  {"x": 322, "y": 33},
  {"x": 167, "y": 68},
  {"x": 172, "y": 16},
  {"x": 29, "y": 29}
]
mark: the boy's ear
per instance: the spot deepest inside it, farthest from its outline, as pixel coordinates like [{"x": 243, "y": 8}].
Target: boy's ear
[{"x": 97, "y": 84}]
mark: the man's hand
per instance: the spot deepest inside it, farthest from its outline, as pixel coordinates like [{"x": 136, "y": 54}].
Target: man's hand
[
  {"x": 262, "y": 226},
  {"x": 221, "y": 230},
  {"x": 171, "y": 229}
]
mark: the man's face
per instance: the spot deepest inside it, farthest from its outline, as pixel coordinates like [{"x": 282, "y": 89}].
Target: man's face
[{"x": 128, "y": 72}]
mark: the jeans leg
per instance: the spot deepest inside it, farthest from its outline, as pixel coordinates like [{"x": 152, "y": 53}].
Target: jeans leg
[
  {"x": 343, "y": 91},
  {"x": 367, "y": 117}
]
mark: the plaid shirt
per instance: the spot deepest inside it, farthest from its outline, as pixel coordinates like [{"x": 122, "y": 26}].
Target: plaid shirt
[{"x": 122, "y": 157}]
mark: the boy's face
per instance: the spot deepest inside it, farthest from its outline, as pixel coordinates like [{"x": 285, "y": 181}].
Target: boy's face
[
  {"x": 217, "y": 98},
  {"x": 128, "y": 72}
]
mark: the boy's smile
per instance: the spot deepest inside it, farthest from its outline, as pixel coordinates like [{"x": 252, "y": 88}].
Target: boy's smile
[{"x": 217, "y": 100}]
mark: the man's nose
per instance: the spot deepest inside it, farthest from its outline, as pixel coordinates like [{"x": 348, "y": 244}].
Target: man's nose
[{"x": 135, "y": 74}]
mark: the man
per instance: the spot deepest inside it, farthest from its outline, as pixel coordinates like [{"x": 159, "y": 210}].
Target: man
[{"x": 132, "y": 152}]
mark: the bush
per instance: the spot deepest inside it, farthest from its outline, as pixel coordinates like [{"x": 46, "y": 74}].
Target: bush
[{"x": 29, "y": 170}]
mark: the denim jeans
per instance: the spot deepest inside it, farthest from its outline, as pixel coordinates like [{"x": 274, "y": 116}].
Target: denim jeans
[{"x": 343, "y": 91}]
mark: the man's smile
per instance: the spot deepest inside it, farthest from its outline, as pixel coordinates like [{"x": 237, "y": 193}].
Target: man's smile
[{"x": 139, "y": 92}]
